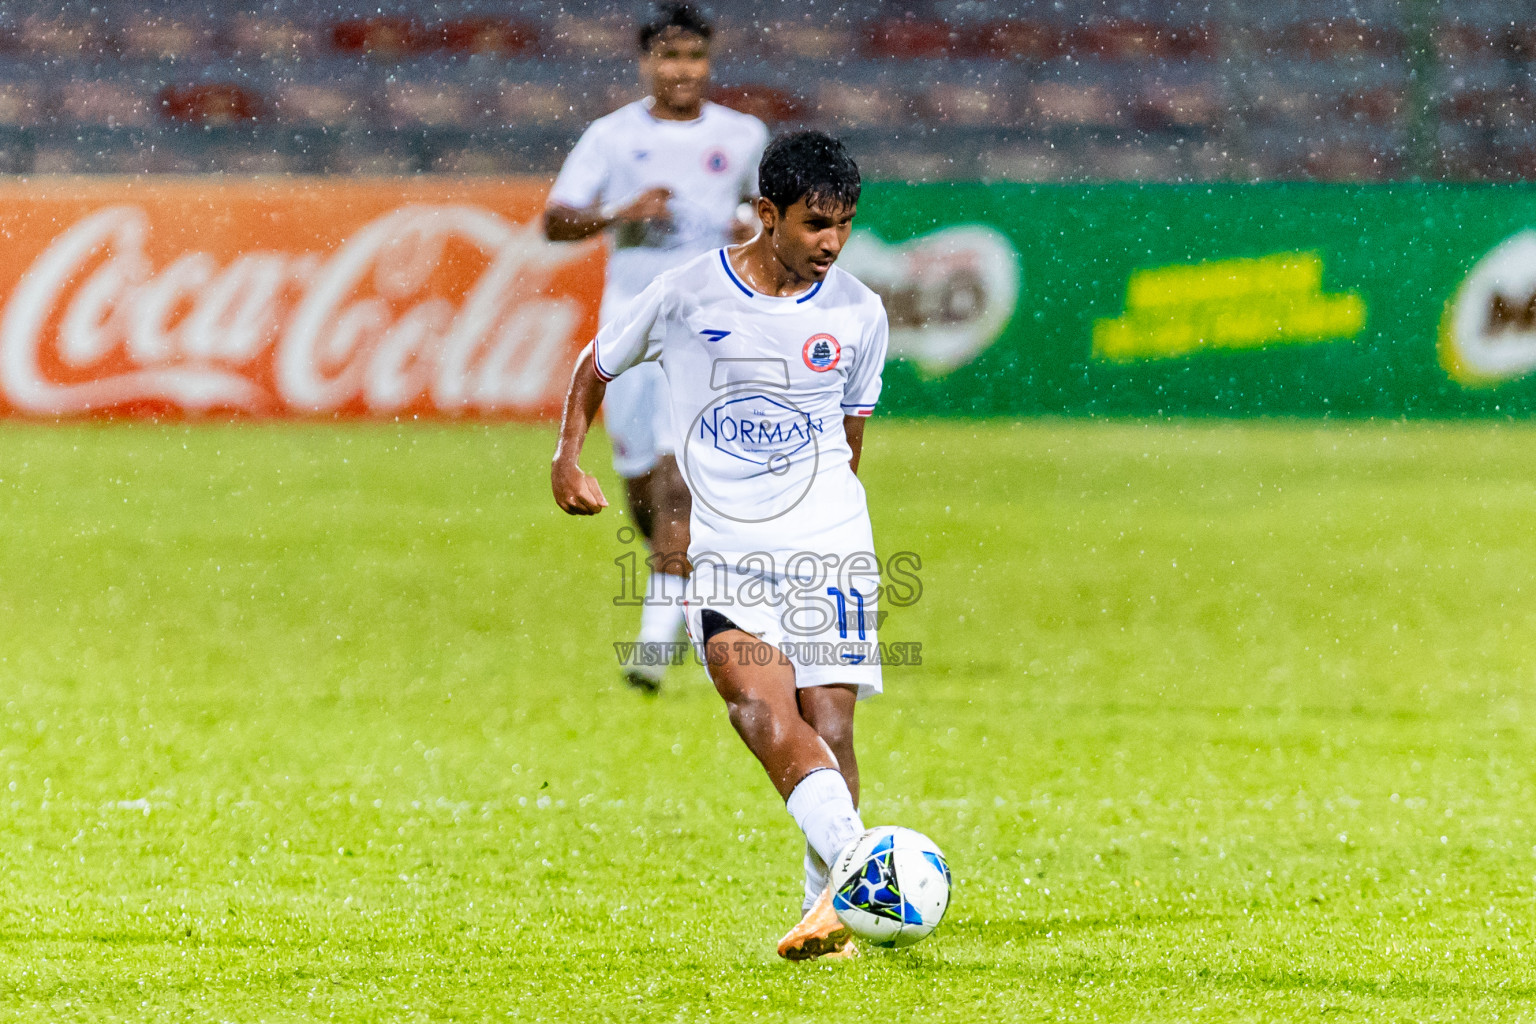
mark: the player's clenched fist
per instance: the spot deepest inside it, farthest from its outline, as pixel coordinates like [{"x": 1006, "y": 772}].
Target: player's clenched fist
[
  {"x": 577, "y": 492},
  {"x": 648, "y": 205}
]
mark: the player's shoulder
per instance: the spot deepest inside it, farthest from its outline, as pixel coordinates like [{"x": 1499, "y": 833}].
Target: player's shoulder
[
  {"x": 844, "y": 289},
  {"x": 618, "y": 122},
  {"x": 687, "y": 280},
  {"x": 729, "y": 118}
]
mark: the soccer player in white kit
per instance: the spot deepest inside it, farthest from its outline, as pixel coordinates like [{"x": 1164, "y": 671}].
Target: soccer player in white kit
[
  {"x": 663, "y": 178},
  {"x": 773, "y": 358}
]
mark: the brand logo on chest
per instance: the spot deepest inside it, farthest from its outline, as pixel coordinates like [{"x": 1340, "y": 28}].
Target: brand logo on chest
[{"x": 758, "y": 428}]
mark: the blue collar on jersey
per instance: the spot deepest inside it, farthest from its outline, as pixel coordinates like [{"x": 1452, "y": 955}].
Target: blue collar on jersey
[{"x": 749, "y": 293}]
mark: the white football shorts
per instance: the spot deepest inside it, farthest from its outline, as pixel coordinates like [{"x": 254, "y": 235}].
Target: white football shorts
[
  {"x": 638, "y": 414},
  {"x": 826, "y": 628}
]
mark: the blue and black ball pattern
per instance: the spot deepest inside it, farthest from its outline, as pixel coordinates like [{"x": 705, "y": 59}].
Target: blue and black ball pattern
[{"x": 876, "y": 890}]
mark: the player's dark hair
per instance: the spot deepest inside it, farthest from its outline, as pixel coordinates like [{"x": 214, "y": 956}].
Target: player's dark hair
[
  {"x": 808, "y": 165},
  {"x": 672, "y": 14}
]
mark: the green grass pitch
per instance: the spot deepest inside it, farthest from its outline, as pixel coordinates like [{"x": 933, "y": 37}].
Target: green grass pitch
[{"x": 1215, "y": 722}]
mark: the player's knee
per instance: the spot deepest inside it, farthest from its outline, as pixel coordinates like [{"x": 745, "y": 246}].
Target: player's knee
[
  {"x": 669, "y": 492},
  {"x": 645, "y": 522},
  {"x": 672, "y": 495},
  {"x": 751, "y": 716}
]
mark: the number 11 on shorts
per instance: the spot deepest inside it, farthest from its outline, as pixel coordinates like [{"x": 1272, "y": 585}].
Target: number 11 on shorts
[{"x": 842, "y": 611}]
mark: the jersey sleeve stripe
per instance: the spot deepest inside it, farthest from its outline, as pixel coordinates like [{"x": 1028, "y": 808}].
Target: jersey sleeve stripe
[{"x": 602, "y": 374}]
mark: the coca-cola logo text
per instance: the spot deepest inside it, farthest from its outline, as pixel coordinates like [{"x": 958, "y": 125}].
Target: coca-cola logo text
[{"x": 434, "y": 308}]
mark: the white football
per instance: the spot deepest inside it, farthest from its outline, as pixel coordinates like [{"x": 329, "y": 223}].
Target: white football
[{"x": 891, "y": 886}]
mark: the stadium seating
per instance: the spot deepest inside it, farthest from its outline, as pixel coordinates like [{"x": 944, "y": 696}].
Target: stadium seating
[{"x": 949, "y": 88}]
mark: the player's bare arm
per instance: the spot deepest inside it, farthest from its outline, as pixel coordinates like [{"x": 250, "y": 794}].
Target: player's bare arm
[
  {"x": 853, "y": 429},
  {"x": 576, "y": 491},
  {"x": 567, "y": 224}
]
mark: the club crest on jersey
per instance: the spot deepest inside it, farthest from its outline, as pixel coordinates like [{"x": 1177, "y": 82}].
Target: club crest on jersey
[
  {"x": 821, "y": 352},
  {"x": 716, "y": 161}
]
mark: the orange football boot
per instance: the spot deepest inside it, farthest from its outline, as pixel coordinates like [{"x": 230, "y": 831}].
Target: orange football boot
[{"x": 818, "y": 934}]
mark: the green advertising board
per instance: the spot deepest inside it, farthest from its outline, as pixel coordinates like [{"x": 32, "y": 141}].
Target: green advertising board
[{"x": 1281, "y": 299}]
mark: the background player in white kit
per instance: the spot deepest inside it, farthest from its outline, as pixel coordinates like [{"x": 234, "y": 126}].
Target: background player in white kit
[
  {"x": 773, "y": 357},
  {"x": 664, "y": 177}
]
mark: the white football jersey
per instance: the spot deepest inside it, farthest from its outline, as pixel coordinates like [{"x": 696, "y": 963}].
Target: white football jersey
[
  {"x": 759, "y": 388},
  {"x": 709, "y": 163}
]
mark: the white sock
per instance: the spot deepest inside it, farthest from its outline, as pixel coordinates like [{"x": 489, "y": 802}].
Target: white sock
[
  {"x": 660, "y": 623},
  {"x": 815, "y": 877},
  {"x": 823, "y": 808}
]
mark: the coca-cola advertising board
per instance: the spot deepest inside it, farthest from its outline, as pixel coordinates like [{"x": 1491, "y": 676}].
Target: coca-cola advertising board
[
  {"x": 440, "y": 299},
  {"x": 311, "y": 298}
]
